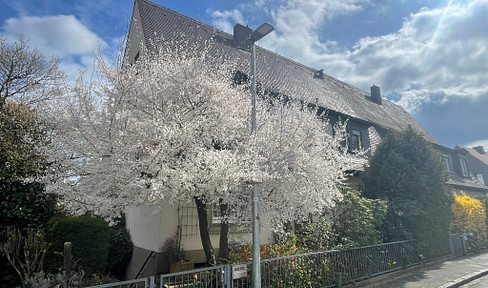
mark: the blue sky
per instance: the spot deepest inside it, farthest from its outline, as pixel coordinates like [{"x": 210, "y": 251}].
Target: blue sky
[{"x": 431, "y": 57}]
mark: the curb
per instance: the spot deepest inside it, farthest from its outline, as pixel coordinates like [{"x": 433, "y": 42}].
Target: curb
[{"x": 466, "y": 279}]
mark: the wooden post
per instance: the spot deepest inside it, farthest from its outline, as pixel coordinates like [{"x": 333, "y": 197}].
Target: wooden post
[{"x": 68, "y": 257}]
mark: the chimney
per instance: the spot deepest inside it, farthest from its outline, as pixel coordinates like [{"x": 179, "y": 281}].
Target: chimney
[
  {"x": 242, "y": 36},
  {"x": 479, "y": 149},
  {"x": 375, "y": 94}
]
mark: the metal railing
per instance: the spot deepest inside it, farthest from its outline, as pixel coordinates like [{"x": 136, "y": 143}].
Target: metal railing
[
  {"x": 148, "y": 282},
  {"x": 320, "y": 269},
  {"x": 337, "y": 267},
  {"x": 217, "y": 276}
]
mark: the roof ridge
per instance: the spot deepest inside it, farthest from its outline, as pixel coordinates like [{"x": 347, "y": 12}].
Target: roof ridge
[
  {"x": 288, "y": 59},
  {"x": 182, "y": 15},
  {"x": 291, "y": 61}
]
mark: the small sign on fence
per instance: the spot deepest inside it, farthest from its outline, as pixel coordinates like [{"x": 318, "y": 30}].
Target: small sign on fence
[{"x": 239, "y": 271}]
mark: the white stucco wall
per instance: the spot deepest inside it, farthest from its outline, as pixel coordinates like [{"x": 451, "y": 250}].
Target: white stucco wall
[{"x": 151, "y": 226}]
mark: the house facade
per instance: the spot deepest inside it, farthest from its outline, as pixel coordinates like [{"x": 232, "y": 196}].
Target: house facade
[
  {"x": 477, "y": 160},
  {"x": 466, "y": 169},
  {"x": 368, "y": 116}
]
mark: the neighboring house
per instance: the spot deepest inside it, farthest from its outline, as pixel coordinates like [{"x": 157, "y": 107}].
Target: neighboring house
[
  {"x": 467, "y": 170},
  {"x": 476, "y": 159},
  {"x": 369, "y": 118}
]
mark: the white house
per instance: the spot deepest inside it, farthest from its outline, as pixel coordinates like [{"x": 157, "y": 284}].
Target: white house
[{"x": 370, "y": 117}]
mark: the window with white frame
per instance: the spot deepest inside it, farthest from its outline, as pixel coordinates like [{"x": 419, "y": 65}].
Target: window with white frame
[
  {"x": 446, "y": 161},
  {"x": 479, "y": 176},
  {"x": 464, "y": 168},
  {"x": 232, "y": 215}
]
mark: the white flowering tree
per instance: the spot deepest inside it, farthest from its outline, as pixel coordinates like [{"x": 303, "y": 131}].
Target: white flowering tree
[{"x": 174, "y": 127}]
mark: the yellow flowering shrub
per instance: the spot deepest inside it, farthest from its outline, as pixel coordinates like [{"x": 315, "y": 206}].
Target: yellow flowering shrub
[{"x": 469, "y": 216}]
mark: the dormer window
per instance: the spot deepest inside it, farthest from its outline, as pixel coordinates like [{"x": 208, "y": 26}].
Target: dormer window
[
  {"x": 355, "y": 141},
  {"x": 479, "y": 176},
  {"x": 464, "y": 168},
  {"x": 446, "y": 161}
]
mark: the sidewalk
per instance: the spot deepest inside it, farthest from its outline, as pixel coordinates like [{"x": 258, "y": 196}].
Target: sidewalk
[{"x": 450, "y": 273}]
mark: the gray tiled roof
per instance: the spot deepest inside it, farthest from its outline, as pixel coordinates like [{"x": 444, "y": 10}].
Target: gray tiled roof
[
  {"x": 466, "y": 183},
  {"x": 277, "y": 73},
  {"x": 482, "y": 157}
]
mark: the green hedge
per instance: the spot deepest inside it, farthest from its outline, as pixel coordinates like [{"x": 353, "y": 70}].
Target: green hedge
[
  {"x": 90, "y": 240},
  {"x": 24, "y": 205}
]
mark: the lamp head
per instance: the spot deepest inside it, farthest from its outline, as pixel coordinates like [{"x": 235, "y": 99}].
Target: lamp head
[{"x": 262, "y": 31}]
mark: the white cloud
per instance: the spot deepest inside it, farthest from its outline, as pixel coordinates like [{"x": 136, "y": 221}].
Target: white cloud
[
  {"x": 297, "y": 23},
  {"x": 434, "y": 65},
  {"x": 436, "y": 52},
  {"x": 483, "y": 143},
  {"x": 225, "y": 20},
  {"x": 63, "y": 36}
]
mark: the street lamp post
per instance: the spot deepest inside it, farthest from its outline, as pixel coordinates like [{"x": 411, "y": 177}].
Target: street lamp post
[
  {"x": 257, "y": 34},
  {"x": 245, "y": 39}
]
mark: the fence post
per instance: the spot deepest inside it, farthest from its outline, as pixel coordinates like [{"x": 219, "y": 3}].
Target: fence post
[
  {"x": 228, "y": 276},
  {"x": 464, "y": 238},
  {"x": 67, "y": 257},
  {"x": 152, "y": 282},
  {"x": 451, "y": 245}
]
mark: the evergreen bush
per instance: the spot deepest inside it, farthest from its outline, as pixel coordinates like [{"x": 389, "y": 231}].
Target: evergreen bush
[
  {"x": 23, "y": 206},
  {"x": 410, "y": 175},
  {"x": 120, "y": 249},
  {"x": 89, "y": 237},
  {"x": 353, "y": 222}
]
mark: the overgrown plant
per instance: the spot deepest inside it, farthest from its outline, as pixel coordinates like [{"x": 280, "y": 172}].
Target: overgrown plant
[
  {"x": 469, "y": 217},
  {"x": 353, "y": 222},
  {"x": 25, "y": 251},
  {"x": 409, "y": 174},
  {"x": 243, "y": 253}
]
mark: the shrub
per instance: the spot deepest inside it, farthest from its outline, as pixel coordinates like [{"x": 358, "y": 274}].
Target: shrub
[
  {"x": 243, "y": 253},
  {"x": 353, "y": 222},
  {"x": 23, "y": 206},
  {"x": 406, "y": 171},
  {"x": 469, "y": 217},
  {"x": 120, "y": 249},
  {"x": 89, "y": 237},
  {"x": 292, "y": 270}
]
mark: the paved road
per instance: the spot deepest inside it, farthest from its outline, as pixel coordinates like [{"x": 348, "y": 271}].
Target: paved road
[{"x": 443, "y": 274}]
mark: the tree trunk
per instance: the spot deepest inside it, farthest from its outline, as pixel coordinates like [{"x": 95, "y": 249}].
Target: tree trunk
[
  {"x": 204, "y": 234},
  {"x": 224, "y": 231}
]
